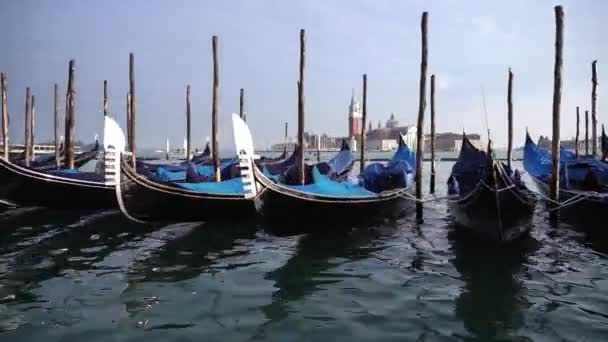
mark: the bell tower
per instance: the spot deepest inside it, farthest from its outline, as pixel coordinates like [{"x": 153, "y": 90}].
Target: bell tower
[{"x": 355, "y": 117}]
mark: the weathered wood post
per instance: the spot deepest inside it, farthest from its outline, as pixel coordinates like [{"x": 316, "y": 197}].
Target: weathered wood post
[
  {"x": 214, "y": 110},
  {"x": 105, "y": 98},
  {"x": 421, "y": 107},
  {"x": 242, "y": 104},
  {"x": 578, "y": 119},
  {"x": 362, "y": 162},
  {"x": 432, "y": 183},
  {"x": 56, "y": 124},
  {"x": 593, "y": 109},
  {"x": 593, "y": 135},
  {"x": 128, "y": 147},
  {"x": 26, "y": 144},
  {"x": 285, "y": 146},
  {"x": 5, "y": 143},
  {"x": 301, "y": 107},
  {"x": 132, "y": 107},
  {"x": 604, "y": 155},
  {"x": 188, "y": 125},
  {"x": 70, "y": 116},
  {"x": 557, "y": 98},
  {"x": 510, "y": 119},
  {"x": 32, "y": 126},
  {"x": 586, "y": 133}
]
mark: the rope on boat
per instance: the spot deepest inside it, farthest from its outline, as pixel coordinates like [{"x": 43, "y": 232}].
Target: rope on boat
[
  {"x": 497, "y": 190},
  {"x": 571, "y": 201},
  {"x": 411, "y": 197}
]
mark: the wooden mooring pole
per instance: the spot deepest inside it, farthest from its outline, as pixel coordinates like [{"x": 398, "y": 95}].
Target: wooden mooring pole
[
  {"x": 26, "y": 134},
  {"x": 32, "y": 127},
  {"x": 188, "y": 125},
  {"x": 132, "y": 108},
  {"x": 432, "y": 181},
  {"x": 586, "y": 133},
  {"x": 593, "y": 107},
  {"x": 285, "y": 146},
  {"x": 5, "y": 143},
  {"x": 604, "y": 155},
  {"x": 301, "y": 107},
  {"x": 105, "y": 98},
  {"x": 578, "y": 120},
  {"x": 242, "y": 104},
  {"x": 128, "y": 114},
  {"x": 557, "y": 99},
  {"x": 56, "y": 124},
  {"x": 510, "y": 119},
  {"x": 362, "y": 162},
  {"x": 70, "y": 116},
  {"x": 214, "y": 110},
  {"x": 421, "y": 107}
]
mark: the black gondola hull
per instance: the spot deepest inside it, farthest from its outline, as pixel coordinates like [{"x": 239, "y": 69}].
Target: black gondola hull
[
  {"x": 503, "y": 218},
  {"x": 299, "y": 212},
  {"x": 146, "y": 200},
  {"x": 29, "y": 187},
  {"x": 589, "y": 210}
]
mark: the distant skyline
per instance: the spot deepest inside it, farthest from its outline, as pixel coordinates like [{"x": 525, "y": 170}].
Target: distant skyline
[{"x": 471, "y": 46}]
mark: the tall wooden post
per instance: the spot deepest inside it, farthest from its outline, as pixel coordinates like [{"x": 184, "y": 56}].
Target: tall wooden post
[
  {"x": 578, "y": 120},
  {"x": 56, "y": 124},
  {"x": 557, "y": 99},
  {"x": 242, "y": 104},
  {"x": 5, "y": 143},
  {"x": 432, "y": 183},
  {"x": 593, "y": 135},
  {"x": 214, "y": 110},
  {"x": 362, "y": 162},
  {"x": 510, "y": 119},
  {"x": 301, "y": 107},
  {"x": 604, "y": 155},
  {"x": 593, "y": 109},
  {"x": 285, "y": 146},
  {"x": 128, "y": 122},
  {"x": 586, "y": 133},
  {"x": 70, "y": 116},
  {"x": 32, "y": 126},
  {"x": 27, "y": 140},
  {"x": 188, "y": 125},
  {"x": 105, "y": 98},
  {"x": 132, "y": 107},
  {"x": 421, "y": 107}
]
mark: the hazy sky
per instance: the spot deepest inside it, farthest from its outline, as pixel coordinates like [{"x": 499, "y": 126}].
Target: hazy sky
[{"x": 471, "y": 44}]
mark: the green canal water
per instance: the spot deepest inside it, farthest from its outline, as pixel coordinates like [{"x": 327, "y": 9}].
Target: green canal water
[{"x": 96, "y": 277}]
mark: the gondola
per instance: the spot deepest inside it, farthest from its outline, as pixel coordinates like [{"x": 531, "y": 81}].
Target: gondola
[
  {"x": 488, "y": 198},
  {"x": 48, "y": 162},
  {"x": 204, "y": 156},
  {"x": 380, "y": 191},
  {"x": 20, "y": 157},
  {"x": 337, "y": 168},
  {"x": 90, "y": 152},
  {"x": 583, "y": 182},
  {"x": 199, "y": 170},
  {"x": 62, "y": 189},
  {"x": 144, "y": 199}
]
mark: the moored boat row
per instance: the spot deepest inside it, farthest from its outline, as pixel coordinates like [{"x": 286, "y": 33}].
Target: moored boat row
[{"x": 486, "y": 196}]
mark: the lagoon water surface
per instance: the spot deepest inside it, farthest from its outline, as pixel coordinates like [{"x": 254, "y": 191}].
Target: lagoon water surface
[{"x": 97, "y": 277}]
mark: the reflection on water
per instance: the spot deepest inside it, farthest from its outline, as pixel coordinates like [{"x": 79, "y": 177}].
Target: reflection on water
[
  {"x": 93, "y": 276},
  {"x": 308, "y": 269},
  {"x": 190, "y": 250},
  {"x": 492, "y": 299}
]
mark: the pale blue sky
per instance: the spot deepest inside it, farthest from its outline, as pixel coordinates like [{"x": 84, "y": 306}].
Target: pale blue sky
[{"x": 472, "y": 43}]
